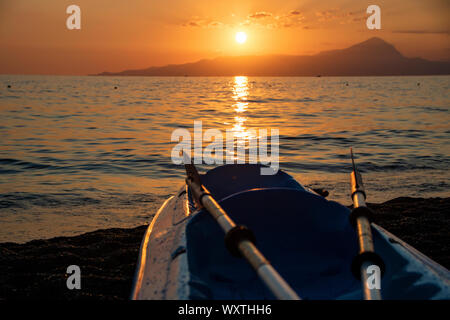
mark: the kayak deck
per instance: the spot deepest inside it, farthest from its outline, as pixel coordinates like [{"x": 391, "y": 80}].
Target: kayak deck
[{"x": 307, "y": 238}]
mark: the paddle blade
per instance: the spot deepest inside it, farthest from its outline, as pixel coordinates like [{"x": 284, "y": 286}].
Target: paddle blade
[
  {"x": 355, "y": 177},
  {"x": 191, "y": 170}
]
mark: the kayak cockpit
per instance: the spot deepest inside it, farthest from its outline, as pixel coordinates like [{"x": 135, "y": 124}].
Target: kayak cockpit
[
  {"x": 227, "y": 180},
  {"x": 306, "y": 238}
]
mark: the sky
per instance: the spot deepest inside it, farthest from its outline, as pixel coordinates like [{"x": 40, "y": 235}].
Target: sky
[{"x": 117, "y": 35}]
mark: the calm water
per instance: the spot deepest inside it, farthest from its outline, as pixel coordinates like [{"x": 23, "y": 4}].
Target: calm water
[{"x": 77, "y": 155}]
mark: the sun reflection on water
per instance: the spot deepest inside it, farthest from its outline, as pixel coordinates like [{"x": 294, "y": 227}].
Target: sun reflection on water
[
  {"x": 245, "y": 137},
  {"x": 240, "y": 94}
]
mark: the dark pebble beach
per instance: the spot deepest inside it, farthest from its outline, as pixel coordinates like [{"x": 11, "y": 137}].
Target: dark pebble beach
[{"x": 107, "y": 258}]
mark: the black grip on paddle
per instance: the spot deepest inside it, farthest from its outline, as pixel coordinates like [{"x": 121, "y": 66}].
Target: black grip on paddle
[
  {"x": 359, "y": 212},
  {"x": 366, "y": 256},
  {"x": 235, "y": 236},
  {"x": 360, "y": 191}
]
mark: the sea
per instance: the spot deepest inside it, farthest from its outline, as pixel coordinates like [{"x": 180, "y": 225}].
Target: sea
[{"x": 81, "y": 153}]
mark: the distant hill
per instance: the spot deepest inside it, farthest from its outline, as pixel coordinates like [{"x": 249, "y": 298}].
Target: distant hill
[{"x": 373, "y": 57}]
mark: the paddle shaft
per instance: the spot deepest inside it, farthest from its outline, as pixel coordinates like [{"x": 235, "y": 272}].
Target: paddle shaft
[
  {"x": 271, "y": 278},
  {"x": 365, "y": 242},
  {"x": 363, "y": 229}
]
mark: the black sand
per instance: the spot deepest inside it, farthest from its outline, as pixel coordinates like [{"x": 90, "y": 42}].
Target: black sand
[{"x": 107, "y": 258}]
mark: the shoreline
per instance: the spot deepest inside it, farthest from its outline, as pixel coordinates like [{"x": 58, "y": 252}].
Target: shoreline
[{"x": 107, "y": 257}]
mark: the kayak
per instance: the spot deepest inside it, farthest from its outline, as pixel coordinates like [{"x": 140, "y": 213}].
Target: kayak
[{"x": 308, "y": 239}]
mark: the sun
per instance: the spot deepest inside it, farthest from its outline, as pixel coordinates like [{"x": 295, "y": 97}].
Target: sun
[{"x": 241, "y": 37}]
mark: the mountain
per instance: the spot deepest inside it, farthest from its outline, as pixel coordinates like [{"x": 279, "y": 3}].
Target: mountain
[{"x": 373, "y": 57}]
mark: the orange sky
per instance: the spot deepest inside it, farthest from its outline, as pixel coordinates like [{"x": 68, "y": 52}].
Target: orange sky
[{"x": 133, "y": 34}]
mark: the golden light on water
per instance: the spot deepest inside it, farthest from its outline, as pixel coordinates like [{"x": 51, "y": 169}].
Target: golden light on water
[
  {"x": 240, "y": 106},
  {"x": 240, "y": 90},
  {"x": 240, "y": 94},
  {"x": 238, "y": 128}
]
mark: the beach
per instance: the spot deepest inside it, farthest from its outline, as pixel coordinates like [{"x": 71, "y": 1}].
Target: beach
[{"x": 107, "y": 258}]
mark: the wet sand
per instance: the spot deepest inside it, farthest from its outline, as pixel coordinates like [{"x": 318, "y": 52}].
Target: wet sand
[{"x": 107, "y": 258}]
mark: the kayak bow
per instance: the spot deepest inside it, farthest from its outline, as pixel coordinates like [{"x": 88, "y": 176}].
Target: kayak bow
[{"x": 309, "y": 240}]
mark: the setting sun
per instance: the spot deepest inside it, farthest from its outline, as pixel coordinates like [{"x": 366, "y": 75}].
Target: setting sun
[{"x": 241, "y": 37}]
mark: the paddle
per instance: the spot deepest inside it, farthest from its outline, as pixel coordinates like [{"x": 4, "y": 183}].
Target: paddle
[
  {"x": 359, "y": 218},
  {"x": 238, "y": 239}
]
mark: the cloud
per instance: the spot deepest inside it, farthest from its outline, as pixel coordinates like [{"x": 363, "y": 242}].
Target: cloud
[
  {"x": 215, "y": 24},
  {"x": 342, "y": 17},
  {"x": 291, "y": 19},
  {"x": 260, "y": 15},
  {"x": 197, "y": 22},
  {"x": 327, "y": 15},
  {"x": 447, "y": 32},
  {"x": 271, "y": 21},
  {"x": 192, "y": 24}
]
